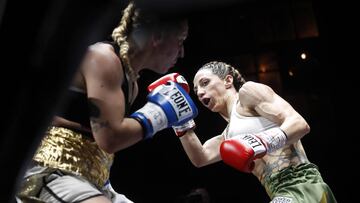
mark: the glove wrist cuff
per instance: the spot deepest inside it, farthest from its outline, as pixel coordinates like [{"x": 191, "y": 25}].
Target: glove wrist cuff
[
  {"x": 147, "y": 133},
  {"x": 182, "y": 129},
  {"x": 274, "y": 138}
]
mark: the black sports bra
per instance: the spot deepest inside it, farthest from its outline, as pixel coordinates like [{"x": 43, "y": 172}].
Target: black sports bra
[{"x": 76, "y": 106}]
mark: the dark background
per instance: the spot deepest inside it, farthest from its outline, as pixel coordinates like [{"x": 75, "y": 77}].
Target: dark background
[{"x": 42, "y": 44}]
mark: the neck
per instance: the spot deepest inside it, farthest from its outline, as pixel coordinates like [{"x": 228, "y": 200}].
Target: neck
[
  {"x": 139, "y": 56},
  {"x": 138, "y": 61},
  {"x": 230, "y": 98}
]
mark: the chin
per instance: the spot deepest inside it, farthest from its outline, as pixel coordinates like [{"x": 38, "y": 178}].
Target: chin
[
  {"x": 214, "y": 109},
  {"x": 161, "y": 71},
  {"x": 211, "y": 108},
  {"x": 166, "y": 69}
]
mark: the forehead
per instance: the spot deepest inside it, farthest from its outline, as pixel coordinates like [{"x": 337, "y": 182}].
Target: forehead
[{"x": 204, "y": 73}]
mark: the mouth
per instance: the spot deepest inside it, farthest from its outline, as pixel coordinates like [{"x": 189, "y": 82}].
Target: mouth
[{"x": 206, "y": 101}]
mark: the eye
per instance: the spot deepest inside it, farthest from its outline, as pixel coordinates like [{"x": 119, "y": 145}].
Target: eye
[{"x": 204, "y": 83}]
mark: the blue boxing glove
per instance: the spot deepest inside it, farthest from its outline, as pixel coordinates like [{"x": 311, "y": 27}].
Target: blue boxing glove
[{"x": 168, "y": 105}]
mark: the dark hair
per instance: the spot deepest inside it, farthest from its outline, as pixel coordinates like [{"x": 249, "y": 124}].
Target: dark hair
[
  {"x": 135, "y": 18},
  {"x": 222, "y": 69}
]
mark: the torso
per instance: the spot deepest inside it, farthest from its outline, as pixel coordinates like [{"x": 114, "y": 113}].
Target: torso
[
  {"x": 79, "y": 86},
  {"x": 243, "y": 121},
  {"x": 74, "y": 111}
]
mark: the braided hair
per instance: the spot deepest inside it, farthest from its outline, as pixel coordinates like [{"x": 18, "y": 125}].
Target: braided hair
[
  {"x": 222, "y": 69},
  {"x": 140, "y": 20}
]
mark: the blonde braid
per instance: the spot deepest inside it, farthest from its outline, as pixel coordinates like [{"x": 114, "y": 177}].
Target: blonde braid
[{"x": 120, "y": 35}]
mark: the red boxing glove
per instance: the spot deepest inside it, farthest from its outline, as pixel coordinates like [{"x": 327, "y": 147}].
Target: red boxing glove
[
  {"x": 176, "y": 77},
  {"x": 241, "y": 151}
]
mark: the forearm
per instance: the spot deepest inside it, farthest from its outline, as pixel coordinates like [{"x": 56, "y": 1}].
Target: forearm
[
  {"x": 295, "y": 128},
  {"x": 199, "y": 154},
  {"x": 115, "y": 138},
  {"x": 193, "y": 147}
]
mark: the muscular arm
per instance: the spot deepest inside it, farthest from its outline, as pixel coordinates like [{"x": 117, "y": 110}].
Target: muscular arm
[
  {"x": 103, "y": 75},
  {"x": 268, "y": 104},
  {"x": 201, "y": 155}
]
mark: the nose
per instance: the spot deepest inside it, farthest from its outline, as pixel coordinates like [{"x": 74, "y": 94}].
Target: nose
[
  {"x": 200, "y": 92},
  {"x": 181, "y": 52}
]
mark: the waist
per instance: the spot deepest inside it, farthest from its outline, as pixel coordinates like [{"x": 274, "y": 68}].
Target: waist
[
  {"x": 73, "y": 125},
  {"x": 73, "y": 152},
  {"x": 291, "y": 175}
]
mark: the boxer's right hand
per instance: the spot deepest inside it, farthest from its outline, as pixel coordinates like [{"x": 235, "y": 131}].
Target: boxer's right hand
[
  {"x": 168, "y": 104},
  {"x": 241, "y": 151}
]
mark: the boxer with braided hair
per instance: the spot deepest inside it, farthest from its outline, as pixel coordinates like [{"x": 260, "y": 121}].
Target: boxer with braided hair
[
  {"x": 72, "y": 163},
  {"x": 262, "y": 136}
]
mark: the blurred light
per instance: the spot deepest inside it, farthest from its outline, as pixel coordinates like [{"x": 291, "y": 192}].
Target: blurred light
[
  {"x": 303, "y": 56},
  {"x": 290, "y": 72},
  {"x": 263, "y": 68}
]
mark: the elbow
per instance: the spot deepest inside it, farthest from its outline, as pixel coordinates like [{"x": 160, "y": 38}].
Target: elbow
[
  {"x": 307, "y": 128},
  {"x": 298, "y": 128},
  {"x": 304, "y": 126},
  {"x": 110, "y": 150},
  {"x": 107, "y": 147},
  {"x": 198, "y": 164},
  {"x": 106, "y": 144}
]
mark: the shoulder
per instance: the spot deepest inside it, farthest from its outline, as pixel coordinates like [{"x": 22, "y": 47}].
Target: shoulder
[
  {"x": 252, "y": 93},
  {"x": 102, "y": 51},
  {"x": 102, "y": 55},
  {"x": 101, "y": 60},
  {"x": 254, "y": 86},
  {"x": 251, "y": 87}
]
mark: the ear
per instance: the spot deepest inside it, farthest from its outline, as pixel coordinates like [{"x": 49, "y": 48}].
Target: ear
[{"x": 228, "y": 81}]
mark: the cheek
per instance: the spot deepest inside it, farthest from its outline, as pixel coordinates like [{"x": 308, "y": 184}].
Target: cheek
[
  {"x": 169, "y": 52},
  {"x": 172, "y": 48},
  {"x": 216, "y": 90},
  {"x": 217, "y": 94},
  {"x": 173, "y": 51}
]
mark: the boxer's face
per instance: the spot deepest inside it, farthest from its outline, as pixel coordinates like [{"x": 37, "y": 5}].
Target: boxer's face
[
  {"x": 170, "y": 48},
  {"x": 210, "y": 90}
]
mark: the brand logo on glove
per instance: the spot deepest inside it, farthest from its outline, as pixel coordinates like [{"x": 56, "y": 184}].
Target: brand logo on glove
[
  {"x": 178, "y": 101},
  {"x": 252, "y": 141}
]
